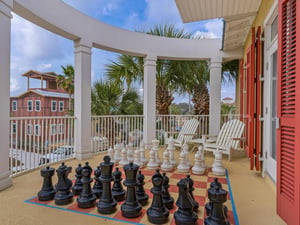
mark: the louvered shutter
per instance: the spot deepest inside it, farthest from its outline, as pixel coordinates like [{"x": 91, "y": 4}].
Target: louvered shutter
[
  {"x": 288, "y": 133},
  {"x": 241, "y": 77}
]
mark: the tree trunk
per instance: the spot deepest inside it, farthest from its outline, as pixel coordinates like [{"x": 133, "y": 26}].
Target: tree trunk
[{"x": 164, "y": 99}]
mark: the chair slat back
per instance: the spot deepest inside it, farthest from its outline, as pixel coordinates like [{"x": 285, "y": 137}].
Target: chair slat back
[{"x": 189, "y": 127}]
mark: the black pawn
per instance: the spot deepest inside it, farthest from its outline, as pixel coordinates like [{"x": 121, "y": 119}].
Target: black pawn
[
  {"x": 208, "y": 205},
  {"x": 63, "y": 195},
  {"x": 131, "y": 208},
  {"x": 217, "y": 196},
  {"x": 157, "y": 213},
  {"x": 47, "y": 192},
  {"x": 191, "y": 190},
  {"x": 117, "y": 190},
  {"x": 98, "y": 187},
  {"x": 140, "y": 191},
  {"x": 87, "y": 198},
  {"x": 77, "y": 187},
  {"x": 185, "y": 214},
  {"x": 107, "y": 204},
  {"x": 168, "y": 200}
]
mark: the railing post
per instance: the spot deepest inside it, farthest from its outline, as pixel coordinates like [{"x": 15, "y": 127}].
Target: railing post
[
  {"x": 82, "y": 101},
  {"x": 5, "y": 27}
]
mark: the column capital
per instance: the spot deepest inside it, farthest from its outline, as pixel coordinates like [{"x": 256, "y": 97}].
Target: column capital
[
  {"x": 81, "y": 46},
  {"x": 216, "y": 62},
  {"x": 6, "y": 7},
  {"x": 150, "y": 60}
]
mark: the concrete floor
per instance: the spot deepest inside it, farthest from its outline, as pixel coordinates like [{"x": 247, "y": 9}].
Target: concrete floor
[{"x": 254, "y": 198}]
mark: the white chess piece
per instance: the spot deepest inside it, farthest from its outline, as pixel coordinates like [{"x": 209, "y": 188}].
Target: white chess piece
[
  {"x": 185, "y": 149},
  {"x": 218, "y": 168},
  {"x": 166, "y": 166},
  {"x": 137, "y": 158},
  {"x": 117, "y": 153},
  {"x": 144, "y": 160},
  {"x": 155, "y": 148},
  {"x": 123, "y": 160},
  {"x": 152, "y": 164},
  {"x": 200, "y": 166},
  {"x": 182, "y": 166},
  {"x": 130, "y": 153},
  {"x": 171, "y": 149},
  {"x": 111, "y": 154}
]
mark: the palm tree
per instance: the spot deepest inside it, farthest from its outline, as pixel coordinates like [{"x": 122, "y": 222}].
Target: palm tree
[{"x": 66, "y": 82}]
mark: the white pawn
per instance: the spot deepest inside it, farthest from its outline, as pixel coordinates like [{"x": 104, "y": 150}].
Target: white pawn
[
  {"x": 111, "y": 154},
  {"x": 124, "y": 160},
  {"x": 152, "y": 164},
  {"x": 117, "y": 153},
  {"x": 218, "y": 168},
  {"x": 185, "y": 149},
  {"x": 182, "y": 166},
  {"x": 171, "y": 149},
  {"x": 155, "y": 147},
  {"x": 130, "y": 153},
  {"x": 200, "y": 166},
  {"x": 144, "y": 160},
  {"x": 166, "y": 166},
  {"x": 137, "y": 158}
]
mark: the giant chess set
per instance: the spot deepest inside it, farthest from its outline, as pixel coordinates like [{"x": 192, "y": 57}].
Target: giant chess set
[{"x": 164, "y": 192}]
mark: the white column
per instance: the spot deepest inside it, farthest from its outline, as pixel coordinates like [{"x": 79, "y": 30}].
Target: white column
[
  {"x": 5, "y": 25},
  {"x": 215, "y": 95},
  {"x": 149, "y": 99},
  {"x": 82, "y": 94}
]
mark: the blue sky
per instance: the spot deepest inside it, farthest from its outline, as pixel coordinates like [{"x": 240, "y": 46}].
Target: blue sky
[{"x": 37, "y": 49}]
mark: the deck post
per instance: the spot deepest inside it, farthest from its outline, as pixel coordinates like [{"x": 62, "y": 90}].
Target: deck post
[
  {"x": 149, "y": 99},
  {"x": 82, "y": 106},
  {"x": 5, "y": 34},
  {"x": 215, "y": 95}
]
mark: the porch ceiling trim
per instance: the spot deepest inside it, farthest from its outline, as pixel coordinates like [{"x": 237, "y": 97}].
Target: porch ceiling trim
[{"x": 237, "y": 14}]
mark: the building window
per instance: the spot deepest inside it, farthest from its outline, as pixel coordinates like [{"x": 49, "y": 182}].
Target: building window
[
  {"x": 14, "y": 128},
  {"x": 61, "y": 128},
  {"x": 29, "y": 129},
  {"x": 29, "y": 105},
  {"x": 61, "y": 106},
  {"x": 274, "y": 28},
  {"x": 37, "y": 130},
  {"x": 53, "y": 129},
  {"x": 53, "y": 106},
  {"x": 14, "y": 105},
  {"x": 37, "y": 105}
]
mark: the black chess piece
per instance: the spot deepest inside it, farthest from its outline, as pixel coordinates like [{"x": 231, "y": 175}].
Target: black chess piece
[
  {"x": 118, "y": 191},
  {"x": 191, "y": 190},
  {"x": 87, "y": 198},
  {"x": 47, "y": 192},
  {"x": 77, "y": 187},
  {"x": 98, "y": 187},
  {"x": 131, "y": 208},
  {"x": 157, "y": 213},
  {"x": 140, "y": 191},
  {"x": 185, "y": 214},
  {"x": 208, "y": 205},
  {"x": 107, "y": 204},
  {"x": 217, "y": 197},
  {"x": 168, "y": 200},
  {"x": 63, "y": 195}
]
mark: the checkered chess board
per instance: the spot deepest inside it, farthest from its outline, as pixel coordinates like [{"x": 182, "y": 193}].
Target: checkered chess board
[{"x": 201, "y": 185}]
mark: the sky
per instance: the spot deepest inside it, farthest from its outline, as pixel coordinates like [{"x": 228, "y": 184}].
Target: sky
[{"x": 33, "y": 48}]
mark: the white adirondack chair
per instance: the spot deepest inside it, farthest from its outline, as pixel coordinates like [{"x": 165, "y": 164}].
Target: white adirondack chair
[
  {"x": 229, "y": 138},
  {"x": 186, "y": 133}
]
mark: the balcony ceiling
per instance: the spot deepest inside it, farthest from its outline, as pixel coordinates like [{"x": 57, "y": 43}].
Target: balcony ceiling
[{"x": 237, "y": 14}]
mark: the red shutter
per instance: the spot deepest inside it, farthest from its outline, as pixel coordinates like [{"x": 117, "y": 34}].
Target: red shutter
[
  {"x": 241, "y": 77},
  {"x": 249, "y": 111},
  {"x": 288, "y": 143}
]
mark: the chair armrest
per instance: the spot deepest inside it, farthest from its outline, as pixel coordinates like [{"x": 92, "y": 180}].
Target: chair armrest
[
  {"x": 238, "y": 139},
  {"x": 206, "y": 139}
]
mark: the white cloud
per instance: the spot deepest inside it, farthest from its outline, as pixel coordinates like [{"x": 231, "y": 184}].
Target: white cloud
[
  {"x": 44, "y": 66},
  {"x": 204, "y": 35},
  {"x": 215, "y": 27},
  {"x": 14, "y": 84}
]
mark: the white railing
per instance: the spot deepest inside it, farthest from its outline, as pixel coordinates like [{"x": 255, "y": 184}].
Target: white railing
[
  {"x": 39, "y": 140},
  {"x": 36, "y": 141}
]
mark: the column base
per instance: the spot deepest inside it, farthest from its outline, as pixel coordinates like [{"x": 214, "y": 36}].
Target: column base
[
  {"x": 83, "y": 155},
  {"x": 5, "y": 180}
]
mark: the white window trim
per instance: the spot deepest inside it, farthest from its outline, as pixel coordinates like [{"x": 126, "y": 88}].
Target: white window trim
[
  {"x": 61, "y": 128},
  {"x": 29, "y": 128},
  {"x": 12, "y": 128},
  {"x": 39, "y": 130},
  {"x": 63, "y": 106},
  {"x": 38, "y": 110},
  {"x": 14, "y": 107},
  {"x": 53, "y": 110},
  {"x": 55, "y": 130},
  {"x": 28, "y": 105}
]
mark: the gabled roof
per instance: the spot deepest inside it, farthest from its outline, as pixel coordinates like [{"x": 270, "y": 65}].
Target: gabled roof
[
  {"x": 37, "y": 75},
  {"x": 237, "y": 14},
  {"x": 45, "y": 93}
]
